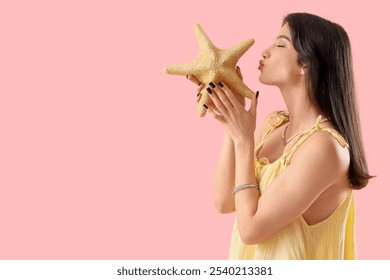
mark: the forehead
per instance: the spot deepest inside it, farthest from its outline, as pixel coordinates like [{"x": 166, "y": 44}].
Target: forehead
[{"x": 284, "y": 31}]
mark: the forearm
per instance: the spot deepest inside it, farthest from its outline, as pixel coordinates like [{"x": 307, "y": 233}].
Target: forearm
[
  {"x": 224, "y": 177},
  {"x": 246, "y": 201}
]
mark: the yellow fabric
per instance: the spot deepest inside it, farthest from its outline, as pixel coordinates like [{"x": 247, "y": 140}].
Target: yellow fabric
[{"x": 333, "y": 238}]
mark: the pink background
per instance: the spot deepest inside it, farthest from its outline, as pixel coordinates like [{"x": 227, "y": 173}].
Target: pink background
[{"x": 103, "y": 156}]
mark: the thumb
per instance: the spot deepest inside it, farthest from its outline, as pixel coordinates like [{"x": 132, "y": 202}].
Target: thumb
[{"x": 253, "y": 107}]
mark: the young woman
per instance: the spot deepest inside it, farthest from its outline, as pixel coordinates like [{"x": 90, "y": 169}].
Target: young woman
[{"x": 290, "y": 182}]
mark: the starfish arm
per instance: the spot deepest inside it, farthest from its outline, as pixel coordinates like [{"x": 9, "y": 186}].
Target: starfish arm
[
  {"x": 237, "y": 85},
  {"x": 233, "y": 54},
  {"x": 204, "y": 42},
  {"x": 188, "y": 68}
]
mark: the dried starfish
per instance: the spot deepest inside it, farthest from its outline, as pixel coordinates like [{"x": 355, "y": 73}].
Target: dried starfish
[{"x": 214, "y": 65}]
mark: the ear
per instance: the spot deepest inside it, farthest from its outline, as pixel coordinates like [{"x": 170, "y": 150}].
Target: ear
[{"x": 302, "y": 69}]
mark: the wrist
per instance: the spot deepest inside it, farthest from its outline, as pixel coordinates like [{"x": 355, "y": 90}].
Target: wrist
[
  {"x": 244, "y": 145},
  {"x": 227, "y": 136}
]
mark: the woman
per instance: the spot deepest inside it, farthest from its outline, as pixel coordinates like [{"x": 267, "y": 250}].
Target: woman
[{"x": 293, "y": 196}]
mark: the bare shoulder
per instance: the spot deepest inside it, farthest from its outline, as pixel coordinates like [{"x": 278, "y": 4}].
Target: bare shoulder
[{"x": 325, "y": 154}]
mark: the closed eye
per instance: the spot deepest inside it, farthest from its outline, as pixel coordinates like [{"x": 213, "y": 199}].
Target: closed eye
[{"x": 280, "y": 46}]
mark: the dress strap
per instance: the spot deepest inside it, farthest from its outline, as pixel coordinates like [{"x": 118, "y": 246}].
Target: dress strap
[
  {"x": 294, "y": 145},
  {"x": 273, "y": 121}
]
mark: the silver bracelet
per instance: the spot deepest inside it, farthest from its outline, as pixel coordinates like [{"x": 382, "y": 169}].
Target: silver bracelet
[{"x": 239, "y": 188}]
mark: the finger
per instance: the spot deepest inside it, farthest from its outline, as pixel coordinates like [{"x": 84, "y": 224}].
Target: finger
[
  {"x": 253, "y": 107},
  {"x": 200, "y": 86},
  {"x": 217, "y": 100},
  {"x": 227, "y": 96},
  {"x": 214, "y": 109},
  {"x": 238, "y": 70},
  {"x": 198, "y": 97},
  {"x": 210, "y": 108},
  {"x": 193, "y": 79}
]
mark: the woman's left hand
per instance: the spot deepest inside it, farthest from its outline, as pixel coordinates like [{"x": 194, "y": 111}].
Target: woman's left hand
[{"x": 238, "y": 122}]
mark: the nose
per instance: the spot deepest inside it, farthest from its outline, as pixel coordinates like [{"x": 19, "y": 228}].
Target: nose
[{"x": 266, "y": 53}]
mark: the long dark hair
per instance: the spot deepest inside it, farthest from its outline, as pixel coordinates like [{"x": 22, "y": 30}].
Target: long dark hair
[{"x": 324, "y": 48}]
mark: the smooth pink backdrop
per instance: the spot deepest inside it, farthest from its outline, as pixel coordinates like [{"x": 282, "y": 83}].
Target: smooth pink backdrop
[{"x": 103, "y": 156}]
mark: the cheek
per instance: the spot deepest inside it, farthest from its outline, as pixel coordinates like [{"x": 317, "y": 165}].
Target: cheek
[{"x": 281, "y": 71}]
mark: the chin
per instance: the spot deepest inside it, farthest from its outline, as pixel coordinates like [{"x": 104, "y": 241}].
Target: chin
[{"x": 264, "y": 81}]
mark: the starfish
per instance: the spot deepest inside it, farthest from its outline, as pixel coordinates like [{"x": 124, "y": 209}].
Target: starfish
[{"x": 214, "y": 65}]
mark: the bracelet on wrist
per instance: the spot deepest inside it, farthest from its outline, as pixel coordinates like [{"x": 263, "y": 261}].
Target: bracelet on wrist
[{"x": 242, "y": 187}]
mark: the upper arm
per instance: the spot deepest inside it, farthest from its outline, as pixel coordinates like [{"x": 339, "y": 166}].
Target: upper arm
[{"x": 317, "y": 164}]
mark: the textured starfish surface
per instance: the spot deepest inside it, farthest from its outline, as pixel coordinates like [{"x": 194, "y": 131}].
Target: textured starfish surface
[{"x": 214, "y": 65}]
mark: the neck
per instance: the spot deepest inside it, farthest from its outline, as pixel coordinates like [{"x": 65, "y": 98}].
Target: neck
[{"x": 302, "y": 112}]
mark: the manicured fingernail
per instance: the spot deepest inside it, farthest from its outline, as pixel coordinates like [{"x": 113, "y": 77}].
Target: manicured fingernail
[
  {"x": 199, "y": 83},
  {"x": 238, "y": 67},
  {"x": 187, "y": 76},
  {"x": 209, "y": 90},
  {"x": 257, "y": 94},
  {"x": 212, "y": 84},
  {"x": 220, "y": 84},
  {"x": 198, "y": 94},
  {"x": 204, "y": 105}
]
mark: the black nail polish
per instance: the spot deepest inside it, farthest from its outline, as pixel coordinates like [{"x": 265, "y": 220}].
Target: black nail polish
[
  {"x": 212, "y": 84},
  {"x": 209, "y": 90},
  {"x": 204, "y": 105},
  {"x": 187, "y": 76},
  {"x": 238, "y": 67},
  {"x": 199, "y": 83},
  {"x": 198, "y": 94},
  {"x": 257, "y": 94},
  {"x": 220, "y": 84}
]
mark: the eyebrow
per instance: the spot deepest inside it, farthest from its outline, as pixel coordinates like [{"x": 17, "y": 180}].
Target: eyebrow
[{"x": 283, "y": 37}]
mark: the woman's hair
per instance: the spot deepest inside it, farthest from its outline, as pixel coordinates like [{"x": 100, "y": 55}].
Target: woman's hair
[{"x": 324, "y": 48}]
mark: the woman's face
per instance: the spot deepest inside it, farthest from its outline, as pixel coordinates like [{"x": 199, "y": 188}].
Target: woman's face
[{"x": 279, "y": 65}]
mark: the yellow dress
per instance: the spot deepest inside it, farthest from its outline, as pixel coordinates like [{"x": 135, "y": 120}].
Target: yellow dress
[{"x": 331, "y": 239}]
